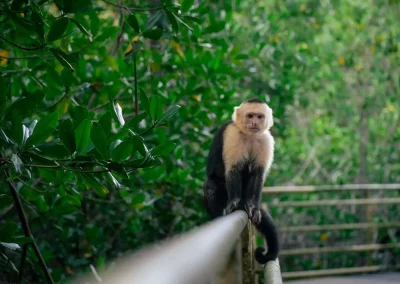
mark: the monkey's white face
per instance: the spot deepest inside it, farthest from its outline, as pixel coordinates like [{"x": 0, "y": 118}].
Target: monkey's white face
[
  {"x": 253, "y": 118},
  {"x": 254, "y": 122}
]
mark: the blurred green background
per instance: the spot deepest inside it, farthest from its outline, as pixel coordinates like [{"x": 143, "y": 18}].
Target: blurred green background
[{"x": 328, "y": 69}]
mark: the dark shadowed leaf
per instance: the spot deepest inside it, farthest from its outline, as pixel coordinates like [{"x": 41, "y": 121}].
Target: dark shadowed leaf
[
  {"x": 171, "y": 111},
  {"x": 16, "y": 129},
  {"x": 39, "y": 25},
  {"x": 163, "y": 149},
  {"x": 173, "y": 21},
  {"x": 153, "y": 34},
  {"x": 43, "y": 129},
  {"x": 99, "y": 139},
  {"x": 155, "y": 108},
  {"x": 82, "y": 135},
  {"x": 78, "y": 114},
  {"x": 105, "y": 122},
  {"x": 57, "y": 29},
  {"x": 67, "y": 135},
  {"x": 92, "y": 183},
  {"x": 186, "y": 5},
  {"x": 82, "y": 28},
  {"x": 122, "y": 151},
  {"x": 61, "y": 58},
  {"x": 144, "y": 101},
  {"x": 133, "y": 22}
]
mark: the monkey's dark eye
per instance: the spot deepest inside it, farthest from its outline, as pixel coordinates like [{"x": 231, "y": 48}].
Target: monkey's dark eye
[
  {"x": 260, "y": 116},
  {"x": 250, "y": 115}
]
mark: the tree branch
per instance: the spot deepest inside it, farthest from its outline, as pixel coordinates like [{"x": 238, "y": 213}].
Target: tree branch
[
  {"x": 26, "y": 228},
  {"x": 22, "y": 47}
]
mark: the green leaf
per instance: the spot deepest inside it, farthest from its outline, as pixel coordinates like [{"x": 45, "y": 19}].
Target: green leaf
[
  {"x": 53, "y": 149},
  {"x": 5, "y": 201},
  {"x": 10, "y": 246},
  {"x": 82, "y": 28},
  {"x": 105, "y": 122},
  {"x": 82, "y": 135},
  {"x": 17, "y": 163},
  {"x": 136, "y": 120},
  {"x": 67, "y": 77},
  {"x": 122, "y": 151},
  {"x": 92, "y": 183},
  {"x": 7, "y": 231},
  {"x": 153, "y": 34},
  {"x": 25, "y": 135},
  {"x": 138, "y": 198},
  {"x": 182, "y": 22},
  {"x": 57, "y": 29},
  {"x": 173, "y": 21},
  {"x": 133, "y": 22},
  {"x": 186, "y": 5},
  {"x": 78, "y": 114},
  {"x": 67, "y": 135},
  {"x": 4, "y": 137},
  {"x": 43, "y": 129},
  {"x": 114, "y": 180},
  {"x": 19, "y": 21},
  {"x": 39, "y": 25},
  {"x": 118, "y": 113},
  {"x": 171, "y": 111},
  {"x": 26, "y": 105},
  {"x": 154, "y": 19},
  {"x": 62, "y": 58},
  {"x": 163, "y": 149},
  {"x": 17, "y": 129},
  {"x": 155, "y": 108},
  {"x": 144, "y": 101},
  {"x": 23, "y": 240},
  {"x": 99, "y": 139}
]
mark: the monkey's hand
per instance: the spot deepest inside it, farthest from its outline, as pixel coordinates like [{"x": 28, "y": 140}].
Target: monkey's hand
[
  {"x": 253, "y": 212},
  {"x": 232, "y": 205}
]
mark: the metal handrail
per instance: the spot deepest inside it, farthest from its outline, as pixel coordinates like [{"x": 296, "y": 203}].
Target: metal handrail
[{"x": 198, "y": 256}]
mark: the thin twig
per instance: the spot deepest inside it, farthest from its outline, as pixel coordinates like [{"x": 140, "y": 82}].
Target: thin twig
[
  {"x": 26, "y": 228},
  {"x": 26, "y": 57},
  {"x": 22, "y": 47}
]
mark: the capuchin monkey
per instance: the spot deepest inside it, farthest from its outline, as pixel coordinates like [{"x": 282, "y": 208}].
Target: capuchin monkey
[{"x": 238, "y": 162}]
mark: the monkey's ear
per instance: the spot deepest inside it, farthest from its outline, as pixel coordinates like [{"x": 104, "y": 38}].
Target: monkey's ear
[
  {"x": 269, "y": 118},
  {"x": 235, "y": 115}
]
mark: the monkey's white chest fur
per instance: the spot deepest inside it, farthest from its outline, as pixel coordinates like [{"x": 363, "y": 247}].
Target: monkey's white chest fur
[{"x": 239, "y": 147}]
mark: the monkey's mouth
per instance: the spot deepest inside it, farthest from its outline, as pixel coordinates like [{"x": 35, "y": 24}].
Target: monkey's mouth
[{"x": 254, "y": 129}]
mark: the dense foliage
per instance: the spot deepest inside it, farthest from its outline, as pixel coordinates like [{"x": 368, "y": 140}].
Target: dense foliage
[{"x": 98, "y": 175}]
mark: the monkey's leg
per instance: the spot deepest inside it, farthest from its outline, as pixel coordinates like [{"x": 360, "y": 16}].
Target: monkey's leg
[
  {"x": 233, "y": 188},
  {"x": 253, "y": 195},
  {"x": 214, "y": 198}
]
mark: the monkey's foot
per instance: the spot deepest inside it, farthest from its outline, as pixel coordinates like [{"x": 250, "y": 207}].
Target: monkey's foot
[
  {"x": 254, "y": 213},
  {"x": 232, "y": 206}
]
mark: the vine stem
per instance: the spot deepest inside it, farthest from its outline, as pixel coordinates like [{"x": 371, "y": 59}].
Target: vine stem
[
  {"x": 27, "y": 230},
  {"x": 136, "y": 86}
]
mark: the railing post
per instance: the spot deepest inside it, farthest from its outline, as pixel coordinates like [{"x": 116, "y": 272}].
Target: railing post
[{"x": 247, "y": 255}]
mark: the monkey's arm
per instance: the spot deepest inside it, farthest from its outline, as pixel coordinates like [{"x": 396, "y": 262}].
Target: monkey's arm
[
  {"x": 233, "y": 188},
  {"x": 253, "y": 194}
]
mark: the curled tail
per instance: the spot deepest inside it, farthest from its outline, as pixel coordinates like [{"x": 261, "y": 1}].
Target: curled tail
[{"x": 268, "y": 229}]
